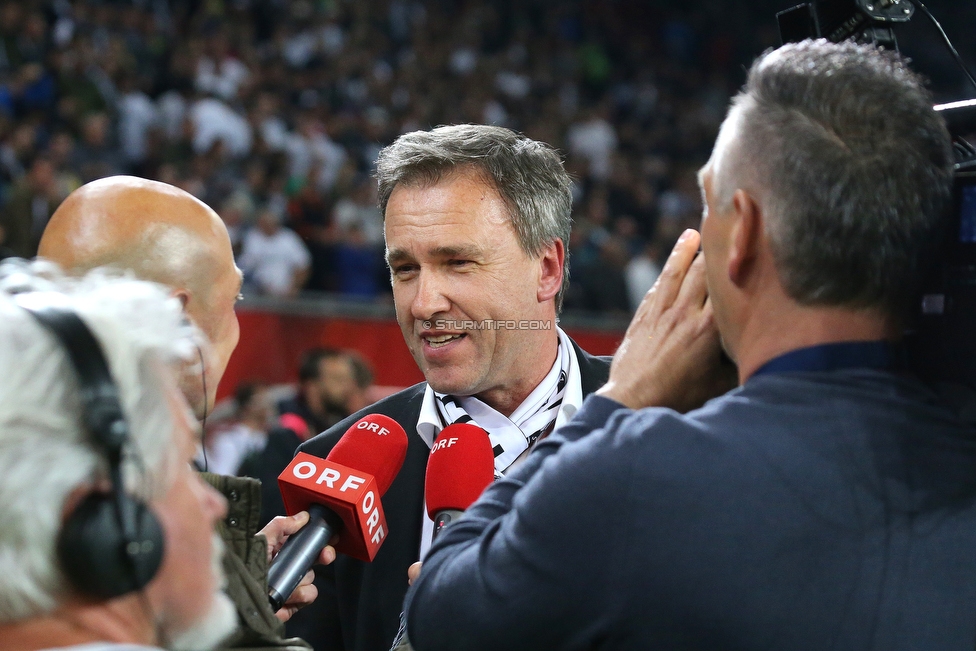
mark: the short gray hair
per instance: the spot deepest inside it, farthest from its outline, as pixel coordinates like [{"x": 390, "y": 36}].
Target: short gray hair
[
  {"x": 853, "y": 168},
  {"x": 45, "y": 452},
  {"x": 528, "y": 174}
]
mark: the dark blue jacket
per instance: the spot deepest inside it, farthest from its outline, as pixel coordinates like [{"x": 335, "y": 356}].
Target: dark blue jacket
[{"x": 830, "y": 510}]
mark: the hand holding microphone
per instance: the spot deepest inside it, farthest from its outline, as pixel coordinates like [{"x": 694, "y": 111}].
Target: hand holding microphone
[
  {"x": 342, "y": 496},
  {"x": 276, "y": 533}
]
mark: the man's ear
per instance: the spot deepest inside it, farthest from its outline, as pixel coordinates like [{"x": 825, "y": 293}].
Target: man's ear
[
  {"x": 184, "y": 297},
  {"x": 551, "y": 261},
  {"x": 747, "y": 232}
]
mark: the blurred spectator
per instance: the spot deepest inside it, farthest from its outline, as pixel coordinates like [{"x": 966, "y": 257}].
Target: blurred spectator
[
  {"x": 231, "y": 443},
  {"x": 327, "y": 382},
  {"x": 31, "y": 204},
  {"x": 274, "y": 259},
  {"x": 137, "y": 114},
  {"x": 267, "y": 122},
  {"x": 11, "y": 22},
  {"x": 642, "y": 272},
  {"x": 363, "y": 395},
  {"x": 33, "y": 89},
  {"x": 359, "y": 210},
  {"x": 60, "y": 152},
  {"x": 288, "y": 103},
  {"x": 312, "y": 155},
  {"x": 214, "y": 121},
  {"x": 97, "y": 156},
  {"x": 594, "y": 139},
  {"x": 360, "y": 265},
  {"x": 237, "y": 213},
  {"x": 78, "y": 92},
  {"x": 604, "y": 282},
  {"x": 17, "y": 150},
  {"x": 218, "y": 72},
  {"x": 311, "y": 217}
]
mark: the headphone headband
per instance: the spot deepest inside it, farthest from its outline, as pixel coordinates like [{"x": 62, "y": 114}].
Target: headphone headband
[
  {"x": 109, "y": 545},
  {"x": 101, "y": 406}
]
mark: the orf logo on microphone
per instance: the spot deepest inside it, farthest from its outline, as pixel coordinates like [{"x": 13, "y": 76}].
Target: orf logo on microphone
[
  {"x": 350, "y": 493},
  {"x": 376, "y": 428},
  {"x": 440, "y": 444}
]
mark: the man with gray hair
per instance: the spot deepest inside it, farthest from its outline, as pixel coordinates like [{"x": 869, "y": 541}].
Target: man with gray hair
[
  {"x": 829, "y": 502},
  {"x": 71, "y": 578},
  {"x": 477, "y": 220}
]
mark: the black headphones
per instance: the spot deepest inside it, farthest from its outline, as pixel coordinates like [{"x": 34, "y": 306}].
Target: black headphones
[{"x": 112, "y": 543}]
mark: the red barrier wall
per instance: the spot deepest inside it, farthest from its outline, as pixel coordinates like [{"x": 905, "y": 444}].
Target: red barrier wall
[{"x": 272, "y": 343}]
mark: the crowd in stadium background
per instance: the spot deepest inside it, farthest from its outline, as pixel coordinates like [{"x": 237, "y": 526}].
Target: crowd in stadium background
[{"x": 272, "y": 112}]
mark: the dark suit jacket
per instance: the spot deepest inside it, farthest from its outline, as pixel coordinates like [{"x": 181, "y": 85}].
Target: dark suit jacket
[
  {"x": 804, "y": 511},
  {"x": 363, "y": 601}
]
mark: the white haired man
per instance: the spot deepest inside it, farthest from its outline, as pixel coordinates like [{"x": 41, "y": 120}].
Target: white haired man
[
  {"x": 54, "y": 464},
  {"x": 163, "y": 234}
]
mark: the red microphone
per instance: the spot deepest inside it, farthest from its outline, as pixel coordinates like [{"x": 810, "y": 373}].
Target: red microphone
[
  {"x": 342, "y": 495},
  {"x": 461, "y": 466}
]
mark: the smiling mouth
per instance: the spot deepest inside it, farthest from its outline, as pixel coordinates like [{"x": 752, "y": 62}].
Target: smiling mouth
[{"x": 441, "y": 340}]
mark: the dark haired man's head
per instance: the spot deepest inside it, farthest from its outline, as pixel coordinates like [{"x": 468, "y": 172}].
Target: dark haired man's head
[
  {"x": 824, "y": 194},
  {"x": 528, "y": 176},
  {"x": 327, "y": 381},
  {"x": 253, "y": 405},
  {"x": 477, "y": 223}
]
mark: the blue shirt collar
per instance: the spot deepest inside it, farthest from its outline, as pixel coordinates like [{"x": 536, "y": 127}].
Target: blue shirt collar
[{"x": 878, "y": 355}]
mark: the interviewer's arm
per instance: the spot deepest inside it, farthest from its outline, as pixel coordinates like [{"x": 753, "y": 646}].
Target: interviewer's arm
[{"x": 520, "y": 565}]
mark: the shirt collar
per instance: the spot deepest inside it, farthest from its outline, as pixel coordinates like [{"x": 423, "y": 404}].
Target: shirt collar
[
  {"x": 429, "y": 423},
  {"x": 880, "y": 355}
]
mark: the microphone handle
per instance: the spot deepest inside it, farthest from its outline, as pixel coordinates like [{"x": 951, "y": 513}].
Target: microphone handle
[
  {"x": 444, "y": 518},
  {"x": 299, "y": 552}
]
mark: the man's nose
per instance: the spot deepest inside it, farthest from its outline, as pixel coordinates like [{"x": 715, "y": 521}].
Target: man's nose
[{"x": 431, "y": 297}]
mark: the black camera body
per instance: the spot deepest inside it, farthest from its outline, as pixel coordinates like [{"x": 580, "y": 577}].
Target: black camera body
[{"x": 941, "y": 345}]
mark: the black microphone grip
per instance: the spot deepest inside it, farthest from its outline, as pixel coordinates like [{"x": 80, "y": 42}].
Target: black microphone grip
[
  {"x": 299, "y": 552},
  {"x": 444, "y": 518}
]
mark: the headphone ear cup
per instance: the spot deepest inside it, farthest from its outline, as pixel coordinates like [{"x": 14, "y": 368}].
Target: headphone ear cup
[{"x": 98, "y": 558}]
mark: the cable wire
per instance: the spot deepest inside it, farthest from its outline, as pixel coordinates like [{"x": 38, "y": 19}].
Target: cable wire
[
  {"x": 206, "y": 400},
  {"x": 945, "y": 37}
]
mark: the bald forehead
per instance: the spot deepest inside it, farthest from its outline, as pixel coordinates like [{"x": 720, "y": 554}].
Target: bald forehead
[{"x": 108, "y": 216}]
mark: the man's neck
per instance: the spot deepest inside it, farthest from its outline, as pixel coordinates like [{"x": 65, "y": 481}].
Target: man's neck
[
  {"x": 78, "y": 625},
  {"x": 505, "y": 400},
  {"x": 775, "y": 332}
]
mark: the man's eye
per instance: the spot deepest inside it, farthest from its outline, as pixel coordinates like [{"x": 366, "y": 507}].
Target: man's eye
[{"x": 459, "y": 263}]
